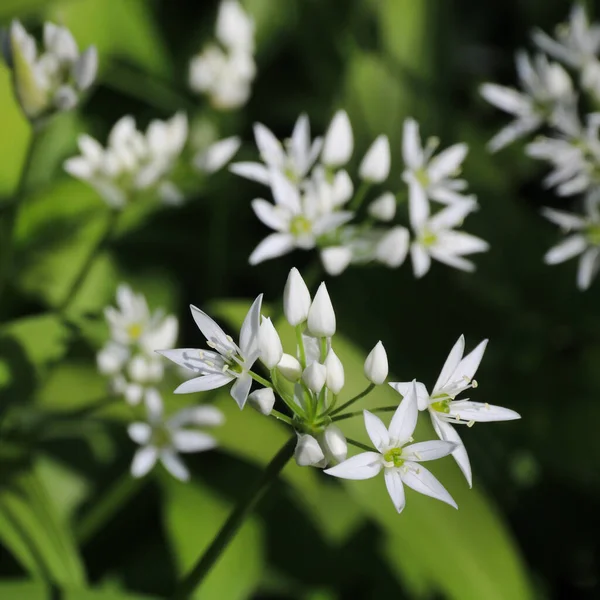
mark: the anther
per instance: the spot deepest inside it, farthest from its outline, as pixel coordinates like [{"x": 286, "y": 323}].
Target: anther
[
  {"x": 474, "y": 383},
  {"x": 470, "y": 423}
]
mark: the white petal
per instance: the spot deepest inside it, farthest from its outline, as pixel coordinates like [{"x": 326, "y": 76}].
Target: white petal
[
  {"x": 418, "y": 204},
  {"x": 143, "y": 461},
  {"x": 481, "y": 413},
  {"x": 412, "y": 151},
  {"x": 269, "y": 146},
  {"x": 195, "y": 360},
  {"x": 79, "y": 167},
  {"x": 446, "y": 432},
  {"x": 285, "y": 192},
  {"x": 376, "y": 430},
  {"x": 275, "y": 217},
  {"x": 453, "y": 215},
  {"x": 459, "y": 243},
  {"x": 212, "y": 332},
  {"x": 207, "y": 416},
  {"x": 506, "y": 99},
  {"x": 251, "y": 170},
  {"x": 395, "y": 489},
  {"x": 338, "y": 143},
  {"x": 241, "y": 388},
  {"x": 588, "y": 266},
  {"x": 174, "y": 465},
  {"x": 361, "y": 466},
  {"x": 451, "y": 364},
  {"x": 375, "y": 165},
  {"x": 567, "y": 221},
  {"x": 217, "y": 155},
  {"x": 420, "y": 260},
  {"x": 568, "y": 248},
  {"x": 274, "y": 245},
  {"x": 204, "y": 383},
  {"x": 513, "y": 131},
  {"x": 456, "y": 262},
  {"x": 192, "y": 441},
  {"x": 403, "y": 388},
  {"x": 404, "y": 420},
  {"x": 336, "y": 259},
  {"x": 250, "y": 329},
  {"x": 447, "y": 163},
  {"x": 331, "y": 221},
  {"x": 468, "y": 366},
  {"x": 423, "y": 481},
  {"x": 154, "y": 405},
  {"x": 431, "y": 450},
  {"x": 140, "y": 433}
]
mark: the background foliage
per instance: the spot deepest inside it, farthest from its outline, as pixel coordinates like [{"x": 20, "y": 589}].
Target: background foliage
[{"x": 69, "y": 512}]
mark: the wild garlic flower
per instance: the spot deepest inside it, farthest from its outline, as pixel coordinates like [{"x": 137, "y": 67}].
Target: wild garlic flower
[
  {"x": 397, "y": 456},
  {"x": 129, "y": 358},
  {"x": 583, "y": 240},
  {"x": 133, "y": 162},
  {"x": 55, "y": 79},
  {"x": 224, "y": 70},
  {"x": 443, "y": 407},
  {"x": 164, "y": 439}
]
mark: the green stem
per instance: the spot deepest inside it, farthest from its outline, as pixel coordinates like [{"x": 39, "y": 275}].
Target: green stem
[
  {"x": 281, "y": 417},
  {"x": 359, "y": 196},
  {"x": 360, "y": 445},
  {"x": 350, "y": 402},
  {"x": 260, "y": 379},
  {"x": 89, "y": 261},
  {"x": 235, "y": 520},
  {"x": 106, "y": 507},
  {"x": 12, "y": 214},
  {"x": 360, "y": 413},
  {"x": 301, "y": 349}
]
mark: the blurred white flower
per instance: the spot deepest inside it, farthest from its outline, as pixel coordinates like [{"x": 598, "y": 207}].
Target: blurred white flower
[
  {"x": 225, "y": 361},
  {"x": 400, "y": 462},
  {"x": 321, "y": 316},
  {"x": 164, "y": 439},
  {"x": 456, "y": 377},
  {"x": 217, "y": 155},
  {"x": 338, "y": 143},
  {"x": 132, "y": 161},
  {"x": 383, "y": 208},
  {"x": 336, "y": 259},
  {"x": 375, "y": 166},
  {"x": 392, "y": 248},
  {"x": 376, "y": 365},
  {"x": 54, "y": 80}
]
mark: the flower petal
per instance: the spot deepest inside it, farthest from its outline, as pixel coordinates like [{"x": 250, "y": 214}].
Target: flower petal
[
  {"x": 250, "y": 328},
  {"x": 192, "y": 441},
  {"x": 431, "y": 450},
  {"x": 251, "y": 170},
  {"x": 460, "y": 243},
  {"x": 403, "y": 387},
  {"x": 568, "y": 248},
  {"x": 285, "y": 192},
  {"x": 456, "y": 262},
  {"x": 588, "y": 266},
  {"x": 418, "y": 204},
  {"x": 446, "y": 432},
  {"x": 453, "y": 215},
  {"x": 423, "y": 481},
  {"x": 377, "y": 431},
  {"x": 412, "y": 151},
  {"x": 207, "y": 416},
  {"x": 204, "y": 383},
  {"x": 275, "y": 217},
  {"x": 212, "y": 332},
  {"x": 404, "y": 420},
  {"x": 447, "y": 162},
  {"x": 339, "y": 142},
  {"x": 361, "y": 466},
  {"x": 241, "y": 388},
  {"x": 154, "y": 405},
  {"x": 451, "y": 364},
  {"x": 395, "y": 489},
  {"x": 269, "y": 146},
  {"x": 195, "y": 360},
  {"x": 140, "y": 433},
  {"x": 481, "y": 413},
  {"x": 217, "y": 155},
  {"x": 468, "y": 366},
  {"x": 421, "y": 261},
  {"x": 567, "y": 221},
  {"x": 174, "y": 465},
  {"x": 143, "y": 461},
  {"x": 274, "y": 245}
]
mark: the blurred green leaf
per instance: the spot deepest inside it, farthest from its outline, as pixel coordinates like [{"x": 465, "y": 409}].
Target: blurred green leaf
[
  {"x": 22, "y": 590},
  {"x": 193, "y": 515}
]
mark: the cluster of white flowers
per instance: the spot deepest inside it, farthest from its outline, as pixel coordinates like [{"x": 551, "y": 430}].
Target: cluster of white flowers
[
  {"x": 129, "y": 357},
  {"x": 570, "y": 143},
  {"x": 309, "y": 383},
  {"x": 224, "y": 71},
  {"x": 135, "y": 162},
  {"x": 53, "y": 80},
  {"x": 315, "y": 199}
]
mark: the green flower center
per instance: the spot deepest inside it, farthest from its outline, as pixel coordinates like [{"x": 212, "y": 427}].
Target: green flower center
[
  {"x": 442, "y": 405},
  {"x": 161, "y": 437},
  {"x": 300, "y": 226},
  {"x": 394, "y": 456},
  {"x": 593, "y": 234},
  {"x": 428, "y": 238},
  {"x": 134, "y": 331}
]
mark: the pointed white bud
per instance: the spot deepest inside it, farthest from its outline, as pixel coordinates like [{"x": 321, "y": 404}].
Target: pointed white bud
[
  {"x": 314, "y": 377},
  {"x": 338, "y": 143},
  {"x": 393, "y": 247},
  {"x": 333, "y": 443},
  {"x": 262, "y": 400},
  {"x": 335, "y": 372},
  {"x": 336, "y": 259},
  {"x": 86, "y": 68},
  {"x": 376, "y": 365},
  {"x": 383, "y": 208},
  {"x": 269, "y": 343},
  {"x": 296, "y": 299},
  {"x": 342, "y": 188},
  {"x": 321, "y": 316},
  {"x": 290, "y": 368},
  {"x": 308, "y": 453},
  {"x": 375, "y": 166}
]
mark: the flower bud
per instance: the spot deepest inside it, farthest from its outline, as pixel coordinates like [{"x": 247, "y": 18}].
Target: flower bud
[
  {"x": 335, "y": 259},
  {"x": 335, "y": 372},
  {"x": 338, "y": 143},
  {"x": 262, "y": 400},
  {"x": 290, "y": 368},
  {"x": 375, "y": 166},
  {"x": 308, "y": 453},
  {"x": 86, "y": 68},
  {"x": 383, "y": 208},
  {"x": 296, "y": 299},
  {"x": 314, "y": 377},
  {"x": 333, "y": 443},
  {"x": 393, "y": 247},
  {"x": 343, "y": 188},
  {"x": 269, "y": 343},
  {"x": 376, "y": 365},
  {"x": 321, "y": 316}
]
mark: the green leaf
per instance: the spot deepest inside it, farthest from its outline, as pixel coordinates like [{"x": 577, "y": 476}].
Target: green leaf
[
  {"x": 23, "y": 590},
  {"x": 193, "y": 515}
]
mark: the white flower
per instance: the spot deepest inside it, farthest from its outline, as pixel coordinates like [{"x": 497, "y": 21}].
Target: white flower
[
  {"x": 383, "y": 208},
  {"x": 321, "y": 316},
  {"x": 290, "y": 367},
  {"x": 296, "y": 298},
  {"x": 262, "y": 400},
  {"x": 336, "y": 259},
  {"x": 132, "y": 161},
  {"x": 226, "y": 361},
  {"x": 456, "y": 377},
  {"x": 338, "y": 142},
  {"x": 392, "y": 248},
  {"x": 547, "y": 88},
  {"x": 335, "y": 372},
  {"x": 298, "y": 220},
  {"x": 376, "y": 365},
  {"x": 400, "y": 462},
  {"x": 164, "y": 439},
  {"x": 584, "y": 242},
  {"x": 270, "y": 347},
  {"x": 375, "y": 166},
  {"x": 217, "y": 155},
  {"x": 293, "y": 158},
  {"x": 435, "y": 236},
  {"x": 56, "y": 78},
  {"x": 315, "y": 376},
  {"x": 432, "y": 177},
  {"x": 234, "y": 28}
]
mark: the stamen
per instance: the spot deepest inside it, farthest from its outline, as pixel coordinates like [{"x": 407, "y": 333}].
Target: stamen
[
  {"x": 418, "y": 456},
  {"x": 224, "y": 369},
  {"x": 487, "y": 406},
  {"x": 211, "y": 344},
  {"x": 470, "y": 423},
  {"x": 458, "y": 417},
  {"x": 229, "y": 338},
  {"x": 474, "y": 383},
  {"x": 201, "y": 354}
]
